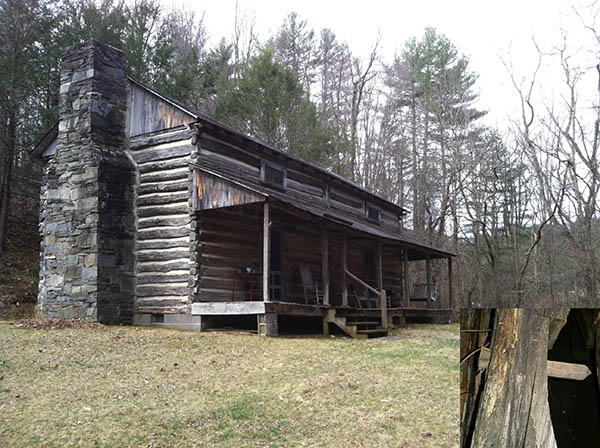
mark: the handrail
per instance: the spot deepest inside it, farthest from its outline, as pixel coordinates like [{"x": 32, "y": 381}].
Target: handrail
[
  {"x": 382, "y": 297},
  {"x": 366, "y": 285}
]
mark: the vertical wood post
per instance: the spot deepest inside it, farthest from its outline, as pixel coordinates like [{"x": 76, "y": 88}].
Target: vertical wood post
[
  {"x": 382, "y": 294},
  {"x": 325, "y": 263},
  {"x": 344, "y": 269},
  {"x": 266, "y": 251},
  {"x": 428, "y": 272},
  {"x": 450, "y": 290},
  {"x": 383, "y": 301},
  {"x": 406, "y": 279},
  {"x": 378, "y": 266}
]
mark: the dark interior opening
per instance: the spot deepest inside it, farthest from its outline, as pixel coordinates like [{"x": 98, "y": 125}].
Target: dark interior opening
[
  {"x": 575, "y": 405},
  {"x": 296, "y": 325},
  {"x": 231, "y": 322}
]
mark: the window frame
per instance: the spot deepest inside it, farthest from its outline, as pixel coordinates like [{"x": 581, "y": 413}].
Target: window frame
[
  {"x": 267, "y": 163},
  {"x": 378, "y": 209}
]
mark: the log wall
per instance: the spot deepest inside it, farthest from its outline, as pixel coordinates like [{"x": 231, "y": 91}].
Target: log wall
[
  {"x": 230, "y": 238},
  {"x": 303, "y": 183},
  {"x": 163, "y": 222}
]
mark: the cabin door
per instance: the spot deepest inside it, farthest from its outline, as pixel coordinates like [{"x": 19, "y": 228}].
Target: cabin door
[{"x": 276, "y": 266}]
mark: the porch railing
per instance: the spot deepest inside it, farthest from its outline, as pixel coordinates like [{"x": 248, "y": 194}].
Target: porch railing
[{"x": 381, "y": 294}]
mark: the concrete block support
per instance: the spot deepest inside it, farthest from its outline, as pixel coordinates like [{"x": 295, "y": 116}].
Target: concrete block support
[
  {"x": 173, "y": 321},
  {"x": 267, "y": 324}
]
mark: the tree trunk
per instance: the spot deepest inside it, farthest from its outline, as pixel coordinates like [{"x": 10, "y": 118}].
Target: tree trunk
[
  {"x": 514, "y": 409},
  {"x": 9, "y": 154}
]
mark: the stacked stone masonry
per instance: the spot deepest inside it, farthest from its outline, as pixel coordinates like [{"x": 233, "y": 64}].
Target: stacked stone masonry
[{"x": 87, "y": 218}]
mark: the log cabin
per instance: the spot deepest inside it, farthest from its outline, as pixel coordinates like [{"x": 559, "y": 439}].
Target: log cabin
[{"x": 154, "y": 214}]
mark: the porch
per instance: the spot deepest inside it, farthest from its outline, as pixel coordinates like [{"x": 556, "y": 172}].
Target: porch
[{"x": 261, "y": 256}]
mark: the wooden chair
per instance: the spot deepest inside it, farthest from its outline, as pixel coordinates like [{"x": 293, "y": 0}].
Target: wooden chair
[{"x": 311, "y": 288}]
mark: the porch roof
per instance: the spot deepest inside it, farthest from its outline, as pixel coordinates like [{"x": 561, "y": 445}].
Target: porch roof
[{"x": 333, "y": 215}]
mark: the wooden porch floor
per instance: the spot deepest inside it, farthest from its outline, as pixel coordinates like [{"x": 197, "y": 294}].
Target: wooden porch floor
[{"x": 299, "y": 309}]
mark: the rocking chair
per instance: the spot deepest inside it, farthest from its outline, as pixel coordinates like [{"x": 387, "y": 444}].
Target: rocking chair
[{"x": 311, "y": 288}]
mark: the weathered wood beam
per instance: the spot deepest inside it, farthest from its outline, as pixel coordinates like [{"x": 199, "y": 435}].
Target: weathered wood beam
[
  {"x": 266, "y": 251},
  {"x": 361, "y": 282},
  {"x": 165, "y": 137},
  {"x": 382, "y": 295},
  {"x": 344, "y": 269},
  {"x": 450, "y": 286},
  {"x": 555, "y": 369},
  {"x": 325, "y": 263},
  {"x": 406, "y": 279},
  {"x": 428, "y": 272}
]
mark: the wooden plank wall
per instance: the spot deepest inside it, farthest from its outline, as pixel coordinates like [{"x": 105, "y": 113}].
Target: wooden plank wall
[
  {"x": 230, "y": 238},
  {"x": 163, "y": 222},
  {"x": 150, "y": 113},
  {"x": 230, "y": 159}
]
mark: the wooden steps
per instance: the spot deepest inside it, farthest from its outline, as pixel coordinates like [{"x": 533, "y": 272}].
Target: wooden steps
[{"x": 357, "y": 326}]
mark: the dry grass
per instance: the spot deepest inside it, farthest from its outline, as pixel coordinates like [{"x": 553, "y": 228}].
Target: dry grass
[{"x": 127, "y": 386}]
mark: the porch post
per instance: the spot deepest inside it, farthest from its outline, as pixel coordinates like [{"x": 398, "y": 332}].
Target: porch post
[
  {"x": 344, "y": 269},
  {"x": 325, "y": 262},
  {"x": 266, "y": 251},
  {"x": 406, "y": 280},
  {"x": 450, "y": 290},
  {"x": 428, "y": 272},
  {"x": 382, "y": 294}
]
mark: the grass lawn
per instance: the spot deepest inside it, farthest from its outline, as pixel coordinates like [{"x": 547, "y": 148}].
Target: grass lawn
[{"x": 128, "y": 386}]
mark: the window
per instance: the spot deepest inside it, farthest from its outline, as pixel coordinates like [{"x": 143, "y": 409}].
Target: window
[
  {"x": 372, "y": 213},
  {"x": 273, "y": 174}
]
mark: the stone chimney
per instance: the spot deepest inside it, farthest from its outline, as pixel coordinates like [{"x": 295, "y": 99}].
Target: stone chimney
[{"x": 86, "y": 218}]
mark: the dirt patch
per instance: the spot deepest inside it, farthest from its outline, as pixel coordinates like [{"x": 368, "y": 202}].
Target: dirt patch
[{"x": 56, "y": 324}]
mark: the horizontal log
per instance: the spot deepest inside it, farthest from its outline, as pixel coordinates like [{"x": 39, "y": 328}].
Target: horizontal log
[
  {"x": 310, "y": 190},
  {"x": 163, "y": 267},
  {"x": 152, "y": 279},
  {"x": 171, "y": 309},
  {"x": 163, "y": 255},
  {"x": 176, "y": 232},
  {"x": 555, "y": 369},
  {"x": 161, "y": 176},
  {"x": 167, "y": 209},
  {"x": 163, "y": 244},
  {"x": 219, "y": 295},
  {"x": 164, "y": 221},
  {"x": 305, "y": 179},
  {"x": 220, "y": 164},
  {"x": 138, "y": 143},
  {"x": 234, "y": 308},
  {"x": 159, "y": 199},
  {"x": 234, "y": 237},
  {"x": 148, "y": 167},
  {"x": 228, "y": 150},
  {"x": 344, "y": 199},
  {"x": 163, "y": 187},
  {"x": 161, "y": 290},
  {"x": 356, "y": 212},
  {"x": 162, "y": 153}
]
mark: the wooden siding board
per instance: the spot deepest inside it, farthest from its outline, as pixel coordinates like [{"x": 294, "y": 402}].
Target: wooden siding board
[
  {"x": 211, "y": 192},
  {"x": 151, "y": 113}
]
